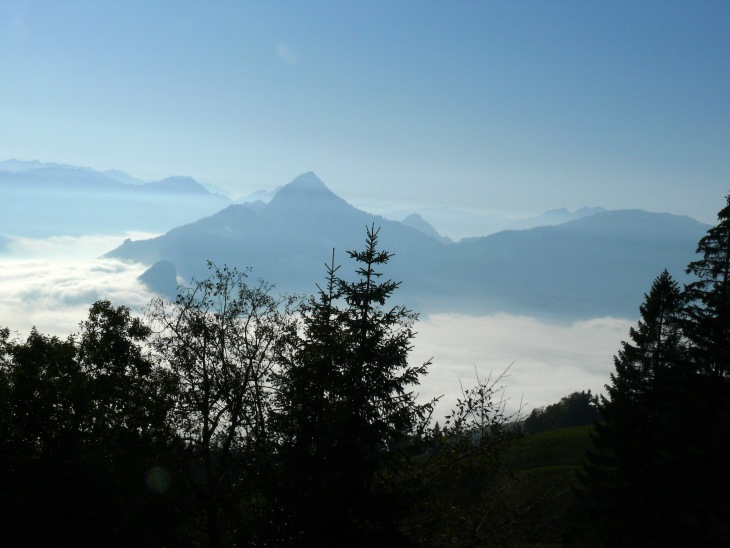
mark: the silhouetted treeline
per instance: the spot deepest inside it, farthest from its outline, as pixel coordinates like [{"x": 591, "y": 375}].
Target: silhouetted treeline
[
  {"x": 230, "y": 417},
  {"x": 576, "y": 409}
]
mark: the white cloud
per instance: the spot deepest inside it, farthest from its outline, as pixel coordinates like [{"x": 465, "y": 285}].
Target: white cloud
[
  {"x": 51, "y": 283},
  {"x": 548, "y": 361},
  {"x": 68, "y": 247}
]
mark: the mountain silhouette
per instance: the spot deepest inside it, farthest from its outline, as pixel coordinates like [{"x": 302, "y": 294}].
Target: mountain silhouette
[
  {"x": 286, "y": 242},
  {"x": 596, "y": 265},
  {"x": 414, "y": 220},
  {"x": 42, "y": 199}
]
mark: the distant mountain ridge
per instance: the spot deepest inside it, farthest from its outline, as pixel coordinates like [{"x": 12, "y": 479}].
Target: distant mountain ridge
[
  {"x": 66, "y": 177},
  {"x": 459, "y": 223},
  {"x": 43, "y": 199},
  {"x": 595, "y": 265}
]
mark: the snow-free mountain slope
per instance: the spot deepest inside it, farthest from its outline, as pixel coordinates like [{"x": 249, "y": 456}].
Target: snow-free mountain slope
[
  {"x": 592, "y": 266},
  {"x": 286, "y": 241}
]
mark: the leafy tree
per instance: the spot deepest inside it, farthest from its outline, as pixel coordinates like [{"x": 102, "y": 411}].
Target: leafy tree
[
  {"x": 77, "y": 445},
  {"x": 347, "y": 409},
  {"x": 220, "y": 340},
  {"x": 463, "y": 476}
]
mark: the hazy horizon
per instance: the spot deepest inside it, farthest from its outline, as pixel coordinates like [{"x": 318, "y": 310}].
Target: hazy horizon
[{"x": 512, "y": 108}]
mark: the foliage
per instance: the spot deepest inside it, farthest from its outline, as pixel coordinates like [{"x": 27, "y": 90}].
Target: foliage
[
  {"x": 708, "y": 325},
  {"x": 627, "y": 471},
  {"x": 576, "y": 409},
  {"x": 463, "y": 472},
  {"x": 656, "y": 474},
  {"x": 220, "y": 340},
  {"x": 84, "y": 421},
  {"x": 347, "y": 408},
  {"x": 230, "y": 417}
]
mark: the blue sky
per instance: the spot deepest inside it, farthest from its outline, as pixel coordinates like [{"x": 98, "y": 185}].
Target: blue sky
[{"x": 512, "y": 107}]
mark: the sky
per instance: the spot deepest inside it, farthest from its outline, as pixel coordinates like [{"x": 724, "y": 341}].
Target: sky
[
  {"x": 497, "y": 107},
  {"x": 510, "y": 107}
]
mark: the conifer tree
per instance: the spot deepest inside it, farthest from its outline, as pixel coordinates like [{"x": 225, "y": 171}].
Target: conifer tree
[
  {"x": 628, "y": 478},
  {"x": 347, "y": 405},
  {"x": 707, "y": 325},
  {"x": 708, "y": 312}
]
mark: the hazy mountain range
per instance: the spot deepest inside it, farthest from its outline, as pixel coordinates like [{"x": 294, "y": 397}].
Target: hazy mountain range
[
  {"x": 38, "y": 199},
  {"x": 599, "y": 263}
]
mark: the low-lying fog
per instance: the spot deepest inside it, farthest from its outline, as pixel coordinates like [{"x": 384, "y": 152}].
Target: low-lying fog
[{"x": 50, "y": 284}]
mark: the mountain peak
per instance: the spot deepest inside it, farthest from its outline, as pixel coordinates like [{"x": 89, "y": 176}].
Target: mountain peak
[
  {"x": 308, "y": 181},
  {"x": 306, "y": 188},
  {"x": 177, "y": 183},
  {"x": 307, "y": 193},
  {"x": 414, "y": 220}
]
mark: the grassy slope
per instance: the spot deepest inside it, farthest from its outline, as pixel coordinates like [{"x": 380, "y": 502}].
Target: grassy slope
[{"x": 546, "y": 466}]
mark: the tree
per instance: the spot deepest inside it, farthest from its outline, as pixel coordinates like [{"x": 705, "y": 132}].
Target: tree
[
  {"x": 708, "y": 326},
  {"x": 629, "y": 476},
  {"x": 84, "y": 421},
  {"x": 347, "y": 408},
  {"x": 220, "y": 340},
  {"x": 462, "y": 475},
  {"x": 576, "y": 409}
]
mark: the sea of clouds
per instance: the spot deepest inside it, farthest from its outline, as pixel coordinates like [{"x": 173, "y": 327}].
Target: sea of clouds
[{"x": 51, "y": 283}]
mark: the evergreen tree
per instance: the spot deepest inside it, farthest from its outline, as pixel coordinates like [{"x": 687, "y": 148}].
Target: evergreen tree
[
  {"x": 708, "y": 326},
  {"x": 629, "y": 480},
  {"x": 347, "y": 408}
]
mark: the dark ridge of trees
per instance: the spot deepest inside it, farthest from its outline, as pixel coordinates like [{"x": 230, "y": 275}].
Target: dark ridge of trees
[
  {"x": 576, "y": 409},
  {"x": 229, "y": 417}
]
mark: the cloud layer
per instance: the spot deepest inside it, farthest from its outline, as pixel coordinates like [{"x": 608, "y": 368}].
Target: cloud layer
[
  {"x": 51, "y": 283},
  {"x": 546, "y": 361}
]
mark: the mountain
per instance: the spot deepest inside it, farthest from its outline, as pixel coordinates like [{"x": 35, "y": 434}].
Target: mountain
[
  {"x": 25, "y": 165},
  {"x": 460, "y": 224},
  {"x": 553, "y": 217},
  {"x": 595, "y": 265},
  {"x": 41, "y": 199},
  {"x": 122, "y": 177},
  {"x": 286, "y": 242},
  {"x": 598, "y": 263},
  {"x": 161, "y": 277},
  {"x": 176, "y": 185},
  {"x": 259, "y": 196},
  {"x": 414, "y": 220}
]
